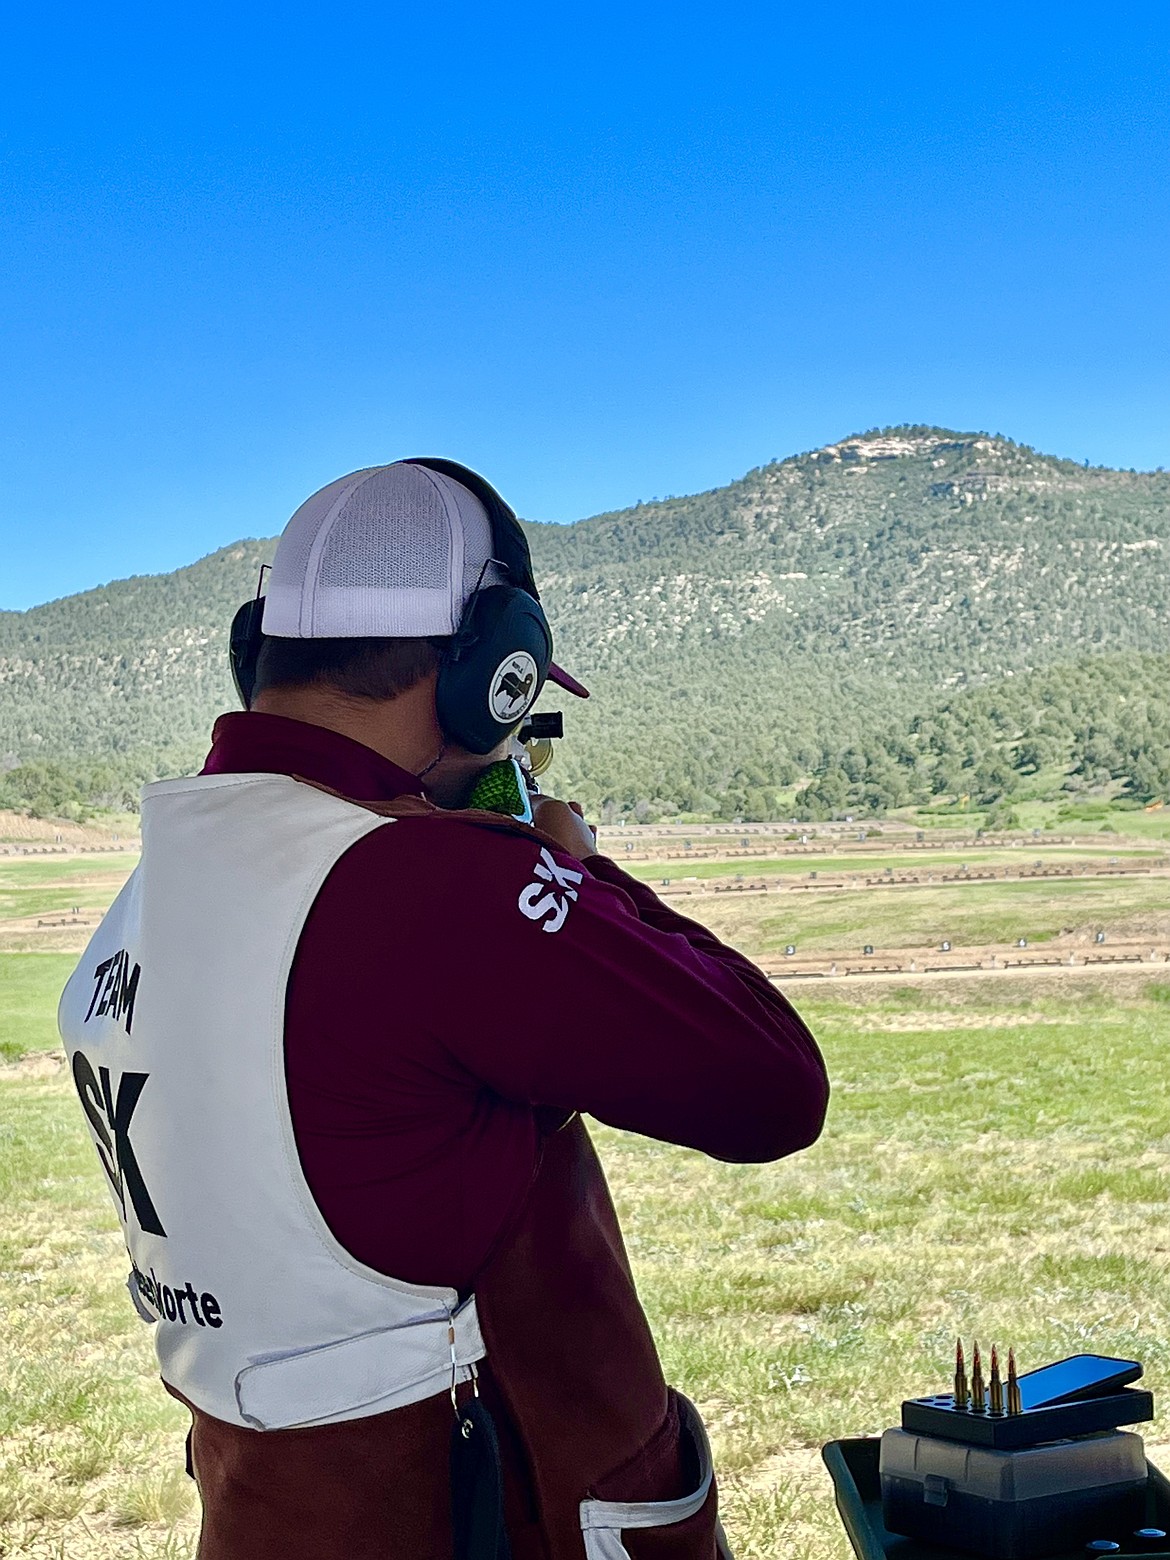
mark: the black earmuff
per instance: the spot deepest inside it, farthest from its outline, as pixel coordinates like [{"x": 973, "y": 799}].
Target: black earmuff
[
  {"x": 493, "y": 668},
  {"x": 497, "y": 660},
  {"x": 244, "y": 647}
]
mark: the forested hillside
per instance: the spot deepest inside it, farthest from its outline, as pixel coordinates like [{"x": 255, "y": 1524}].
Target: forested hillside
[{"x": 910, "y": 614}]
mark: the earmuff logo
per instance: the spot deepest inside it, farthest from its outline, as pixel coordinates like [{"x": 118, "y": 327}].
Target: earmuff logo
[{"x": 513, "y": 687}]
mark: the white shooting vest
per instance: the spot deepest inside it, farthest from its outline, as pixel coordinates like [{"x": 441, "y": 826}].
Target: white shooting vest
[{"x": 174, "y": 1027}]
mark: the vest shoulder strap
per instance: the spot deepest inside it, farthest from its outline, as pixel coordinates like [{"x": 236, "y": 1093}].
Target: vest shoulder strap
[{"x": 408, "y": 806}]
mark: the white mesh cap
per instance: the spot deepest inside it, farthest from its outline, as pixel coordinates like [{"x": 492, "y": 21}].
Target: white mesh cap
[{"x": 390, "y": 552}]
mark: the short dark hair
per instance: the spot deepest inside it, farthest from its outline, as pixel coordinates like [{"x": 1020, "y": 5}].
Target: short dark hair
[{"x": 357, "y": 668}]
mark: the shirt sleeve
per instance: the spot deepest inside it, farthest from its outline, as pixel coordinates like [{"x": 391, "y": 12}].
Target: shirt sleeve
[{"x": 579, "y": 989}]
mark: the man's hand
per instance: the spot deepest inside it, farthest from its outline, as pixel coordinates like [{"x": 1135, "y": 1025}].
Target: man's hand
[{"x": 565, "y": 822}]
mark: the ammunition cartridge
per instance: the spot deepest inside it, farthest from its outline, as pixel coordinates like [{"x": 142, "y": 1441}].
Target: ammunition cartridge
[
  {"x": 996, "y": 1385},
  {"x": 1014, "y": 1401},
  {"x": 961, "y": 1396},
  {"x": 978, "y": 1398}
]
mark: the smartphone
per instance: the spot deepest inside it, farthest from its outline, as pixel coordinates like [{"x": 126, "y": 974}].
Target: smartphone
[{"x": 1081, "y": 1376}]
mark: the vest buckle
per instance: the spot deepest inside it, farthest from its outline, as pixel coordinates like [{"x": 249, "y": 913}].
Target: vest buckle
[{"x": 455, "y": 1372}]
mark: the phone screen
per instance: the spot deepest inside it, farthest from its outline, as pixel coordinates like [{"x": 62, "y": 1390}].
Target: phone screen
[{"x": 1084, "y": 1375}]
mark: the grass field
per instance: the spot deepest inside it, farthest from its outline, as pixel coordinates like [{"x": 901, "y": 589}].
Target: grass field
[
  {"x": 905, "y": 861},
  {"x": 1090, "y": 815},
  {"x": 29, "y": 986},
  {"x": 970, "y": 915},
  {"x": 56, "y": 889},
  {"x": 996, "y": 1163}
]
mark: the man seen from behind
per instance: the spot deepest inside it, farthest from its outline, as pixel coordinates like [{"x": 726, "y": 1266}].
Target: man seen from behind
[{"x": 334, "y": 1041}]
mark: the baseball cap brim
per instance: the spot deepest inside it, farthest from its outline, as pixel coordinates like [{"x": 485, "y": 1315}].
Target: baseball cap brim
[{"x": 562, "y": 679}]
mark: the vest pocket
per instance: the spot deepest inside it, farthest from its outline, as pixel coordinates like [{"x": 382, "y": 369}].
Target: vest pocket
[
  {"x": 671, "y": 1528},
  {"x": 356, "y": 1377}
]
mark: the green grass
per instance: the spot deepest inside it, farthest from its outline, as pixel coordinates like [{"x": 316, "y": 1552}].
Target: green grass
[
  {"x": 917, "y": 861},
  {"x": 89, "y": 1442},
  {"x": 970, "y": 915},
  {"x": 23, "y": 872},
  {"x": 1142, "y": 825},
  {"x": 53, "y": 887},
  {"x": 54, "y": 902},
  {"x": 30, "y": 985},
  {"x": 996, "y": 1164},
  {"x": 1092, "y": 817},
  {"x": 1042, "y": 804},
  {"x": 1006, "y": 1180}
]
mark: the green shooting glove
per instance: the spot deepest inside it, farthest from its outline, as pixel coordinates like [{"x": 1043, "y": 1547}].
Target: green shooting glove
[{"x": 501, "y": 789}]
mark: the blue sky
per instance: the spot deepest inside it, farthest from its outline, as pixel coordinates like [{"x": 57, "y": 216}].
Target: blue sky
[{"x": 602, "y": 252}]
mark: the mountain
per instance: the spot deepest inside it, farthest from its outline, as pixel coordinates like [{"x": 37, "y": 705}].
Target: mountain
[{"x": 828, "y": 604}]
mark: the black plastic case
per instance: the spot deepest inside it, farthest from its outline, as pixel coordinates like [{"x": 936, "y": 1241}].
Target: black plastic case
[
  {"x": 1012, "y": 1505},
  {"x": 854, "y": 1469}
]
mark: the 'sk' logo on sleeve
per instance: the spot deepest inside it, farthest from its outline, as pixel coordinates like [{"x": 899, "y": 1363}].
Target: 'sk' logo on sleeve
[{"x": 548, "y": 899}]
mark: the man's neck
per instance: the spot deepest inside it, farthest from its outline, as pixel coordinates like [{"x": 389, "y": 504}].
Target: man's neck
[{"x": 402, "y": 730}]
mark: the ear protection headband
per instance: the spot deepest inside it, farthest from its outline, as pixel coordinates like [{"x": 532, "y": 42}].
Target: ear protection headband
[
  {"x": 244, "y": 641},
  {"x": 499, "y": 656}
]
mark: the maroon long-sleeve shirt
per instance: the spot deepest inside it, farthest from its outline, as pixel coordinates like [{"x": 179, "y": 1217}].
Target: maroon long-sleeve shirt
[{"x": 430, "y": 1021}]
